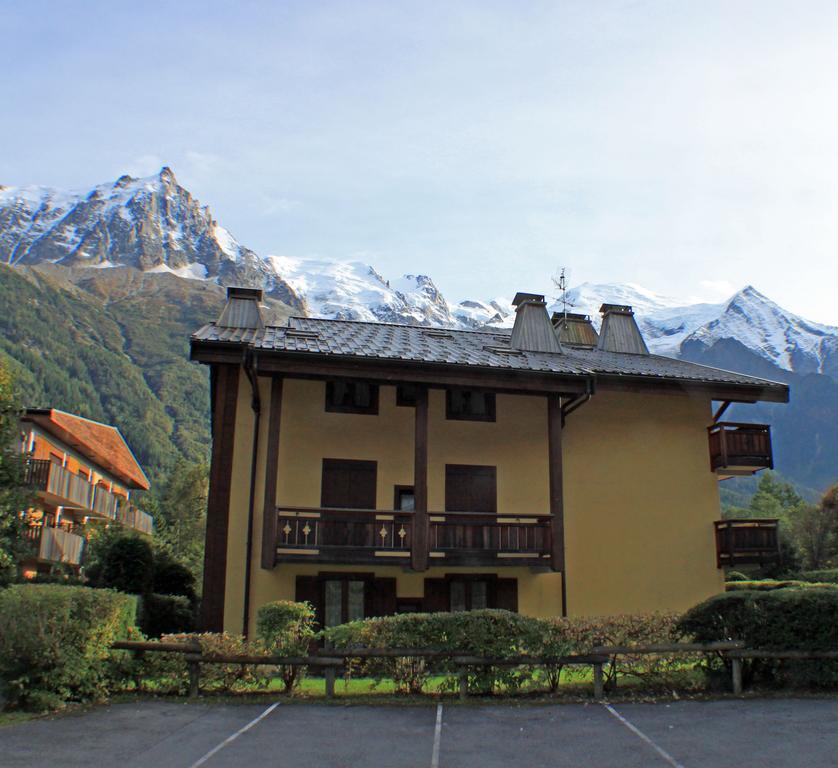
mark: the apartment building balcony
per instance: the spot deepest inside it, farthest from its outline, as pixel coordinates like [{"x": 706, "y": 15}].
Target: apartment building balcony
[
  {"x": 63, "y": 488},
  {"x": 131, "y": 517},
  {"x": 747, "y": 542},
  {"x": 739, "y": 449},
  {"x": 55, "y": 545},
  {"x": 364, "y": 536}
]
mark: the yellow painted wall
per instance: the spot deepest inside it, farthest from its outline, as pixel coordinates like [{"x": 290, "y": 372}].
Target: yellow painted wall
[{"x": 639, "y": 497}]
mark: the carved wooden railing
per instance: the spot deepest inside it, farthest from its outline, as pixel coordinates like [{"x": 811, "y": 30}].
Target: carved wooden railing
[
  {"x": 744, "y": 541},
  {"x": 324, "y": 534},
  {"x": 479, "y": 538},
  {"x": 455, "y": 538},
  {"x": 740, "y": 448}
]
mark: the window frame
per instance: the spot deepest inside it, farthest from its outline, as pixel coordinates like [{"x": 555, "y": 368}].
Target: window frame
[
  {"x": 368, "y": 410},
  {"x": 402, "y": 399},
  {"x": 453, "y": 415}
]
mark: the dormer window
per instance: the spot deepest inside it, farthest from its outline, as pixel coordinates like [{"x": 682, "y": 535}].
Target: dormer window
[
  {"x": 352, "y": 397},
  {"x": 469, "y": 405}
]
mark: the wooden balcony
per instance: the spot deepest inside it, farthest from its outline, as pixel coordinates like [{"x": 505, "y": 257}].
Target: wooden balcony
[
  {"x": 55, "y": 545},
  {"x": 747, "y": 542},
  {"x": 131, "y": 517},
  {"x": 364, "y": 536},
  {"x": 105, "y": 503},
  {"x": 739, "y": 449},
  {"x": 59, "y": 485}
]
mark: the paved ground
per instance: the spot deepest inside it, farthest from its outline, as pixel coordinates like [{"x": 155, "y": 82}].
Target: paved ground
[{"x": 765, "y": 733}]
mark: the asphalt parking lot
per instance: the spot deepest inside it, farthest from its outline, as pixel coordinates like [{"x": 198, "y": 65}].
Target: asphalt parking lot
[{"x": 158, "y": 734}]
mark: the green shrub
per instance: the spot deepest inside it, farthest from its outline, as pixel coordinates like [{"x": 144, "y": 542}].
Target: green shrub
[
  {"x": 167, "y": 672},
  {"x": 492, "y": 633},
  {"x": 171, "y": 577},
  {"x": 737, "y": 576},
  {"x": 581, "y": 634},
  {"x": 768, "y": 585},
  {"x": 286, "y": 628},
  {"x": 782, "y": 619},
  {"x": 127, "y": 565},
  {"x": 830, "y": 576},
  {"x": 165, "y": 614},
  {"x": 55, "y": 642}
]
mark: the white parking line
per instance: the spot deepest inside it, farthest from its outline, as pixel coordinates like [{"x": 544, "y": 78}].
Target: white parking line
[
  {"x": 233, "y": 737},
  {"x": 437, "y": 737},
  {"x": 637, "y": 732}
]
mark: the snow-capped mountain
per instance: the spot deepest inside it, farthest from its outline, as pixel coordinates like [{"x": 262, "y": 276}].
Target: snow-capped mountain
[{"x": 155, "y": 225}]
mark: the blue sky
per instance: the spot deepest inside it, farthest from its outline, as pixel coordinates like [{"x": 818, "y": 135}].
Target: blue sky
[{"x": 691, "y": 147}]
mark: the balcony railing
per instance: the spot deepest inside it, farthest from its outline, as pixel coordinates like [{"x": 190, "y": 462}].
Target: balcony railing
[
  {"x": 55, "y": 545},
  {"x": 128, "y": 515},
  {"x": 69, "y": 490},
  {"x": 325, "y": 535},
  {"x": 745, "y": 542},
  {"x": 329, "y": 535},
  {"x": 739, "y": 449},
  {"x": 105, "y": 503},
  {"x": 477, "y": 538}
]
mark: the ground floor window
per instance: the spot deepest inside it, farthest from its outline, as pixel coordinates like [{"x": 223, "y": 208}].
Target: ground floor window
[
  {"x": 341, "y": 597},
  {"x": 470, "y": 592},
  {"x": 468, "y": 595},
  {"x": 343, "y": 601}
]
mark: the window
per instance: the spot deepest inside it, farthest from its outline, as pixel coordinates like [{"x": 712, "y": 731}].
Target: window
[
  {"x": 405, "y": 500},
  {"x": 351, "y": 397},
  {"x": 468, "y": 594},
  {"x": 346, "y": 483},
  {"x": 470, "y": 488},
  {"x": 469, "y": 405},
  {"x": 343, "y": 600},
  {"x": 406, "y": 395}
]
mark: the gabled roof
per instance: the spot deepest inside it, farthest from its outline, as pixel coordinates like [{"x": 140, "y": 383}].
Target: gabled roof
[
  {"x": 486, "y": 349},
  {"x": 102, "y": 444}
]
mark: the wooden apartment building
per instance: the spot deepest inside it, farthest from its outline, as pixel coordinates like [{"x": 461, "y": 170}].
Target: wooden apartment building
[
  {"x": 81, "y": 471},
  {"x": 374, "y": 468}
]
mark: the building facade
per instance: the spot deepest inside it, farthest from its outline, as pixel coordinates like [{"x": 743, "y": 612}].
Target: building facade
[
  {"x": 80, "y": 471},
  {"x": 373, "y": 468}
]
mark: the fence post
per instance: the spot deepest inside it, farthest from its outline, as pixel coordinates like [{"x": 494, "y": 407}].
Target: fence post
[
  {"x": 329, "y": 674},
  {"x": 138, "y": 673},
  {"x": 194, "y": 668},
  {"x": 736, "y": 674},
  {"x": 598, "y": 680},
  {"x": 463, "y": 683}
]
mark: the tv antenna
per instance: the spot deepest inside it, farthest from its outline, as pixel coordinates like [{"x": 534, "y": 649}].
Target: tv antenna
[{"x": 561, "y": 284}]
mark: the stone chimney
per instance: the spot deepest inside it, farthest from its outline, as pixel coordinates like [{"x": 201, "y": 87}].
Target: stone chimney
[
  {"x": 533, "y": 330},
  {"x": 619, "y": 332},
  {"x": 574, "y": 329},
  {"x": 243, "y": 309}
]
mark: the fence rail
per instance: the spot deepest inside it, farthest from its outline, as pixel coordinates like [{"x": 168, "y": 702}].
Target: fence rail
[{"x": 331, "y": 659}]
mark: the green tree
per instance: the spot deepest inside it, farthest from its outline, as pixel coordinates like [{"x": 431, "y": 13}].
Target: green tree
[
  {"x": 815, "y": 530},
  {"x": 180, "y": 514},
  {"x": 14, "y": 495}
]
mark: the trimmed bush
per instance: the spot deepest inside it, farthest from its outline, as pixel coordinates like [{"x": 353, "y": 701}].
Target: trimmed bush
[
  {"x": 737, "y": 576},
  {"x": 165, "y": 614},
  {"x": 781, "y": 619},
  {"x": 167, "y": 672},
  {"x": 768, "y": 585},
  {"x": 286, "y": 628},
  {"x": 829, "y": 576},
  {"x": 55, "y": 642}
]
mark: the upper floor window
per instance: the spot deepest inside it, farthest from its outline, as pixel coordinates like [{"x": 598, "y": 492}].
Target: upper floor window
[
  {"x": 469, "y": 405},
  {"x": 406, "y": 395},
  {"x": 351, "y": 397}
]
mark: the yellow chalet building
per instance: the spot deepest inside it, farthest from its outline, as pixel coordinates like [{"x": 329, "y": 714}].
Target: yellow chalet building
[{"x": 374, "y": 468}]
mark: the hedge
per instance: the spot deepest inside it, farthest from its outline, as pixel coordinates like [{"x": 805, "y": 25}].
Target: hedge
[
  {"x": 55, "y": 642},
  {"x": 781, "y": 619},
  {"x": 829, "y": 575},
  {"x": 768, "y": 585},
  {"x": 286, "y": 628}
]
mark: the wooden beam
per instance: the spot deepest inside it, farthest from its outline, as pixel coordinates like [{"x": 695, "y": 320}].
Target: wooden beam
[
  {"x": 224, "y": 402},
  {"x": 419, "y": 547},
  {"x": 554, "y": 448},
  {"x": 269, "y": 515},
  {"x": 718, "y": 414}
]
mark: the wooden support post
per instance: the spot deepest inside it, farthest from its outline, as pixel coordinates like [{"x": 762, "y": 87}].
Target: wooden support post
[
  {"x": 598, "y": 681},
  {"x": 463, "y": 683},
  {"x": 193, "y": 666},
  {"x": 736, "y": 674},
  {"x": 269, "y": 515},
  {"x": 554, "y": 457},
  {"x": 419, "y": 546}
]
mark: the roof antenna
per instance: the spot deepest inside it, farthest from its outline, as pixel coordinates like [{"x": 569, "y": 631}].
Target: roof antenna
[{"x": 561, "y": 284}]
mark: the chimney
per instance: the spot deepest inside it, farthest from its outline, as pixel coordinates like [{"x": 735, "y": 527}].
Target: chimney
[
  {"x": 619, "y": 332},
  {"x": 533, "y": 331},
  {"x": 575, "y": 329},
  {"x": 242, "y": 309}
]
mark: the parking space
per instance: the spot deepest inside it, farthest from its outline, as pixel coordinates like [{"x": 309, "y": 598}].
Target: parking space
[{"x": 157, "y": 734}]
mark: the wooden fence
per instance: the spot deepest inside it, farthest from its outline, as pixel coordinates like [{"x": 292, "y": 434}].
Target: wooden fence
[{"x": 331, "y": 659}]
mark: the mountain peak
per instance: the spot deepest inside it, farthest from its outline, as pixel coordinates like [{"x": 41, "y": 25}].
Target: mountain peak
[{"x": 166, "y": 174}]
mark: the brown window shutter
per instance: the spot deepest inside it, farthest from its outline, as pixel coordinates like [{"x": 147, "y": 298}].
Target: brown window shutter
[
  {"x": 506, "y": 594},
  {"x": 381, "y": 597},
  {"x": 436, "y": 595},
  {"x": 308, "y": 590}
]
